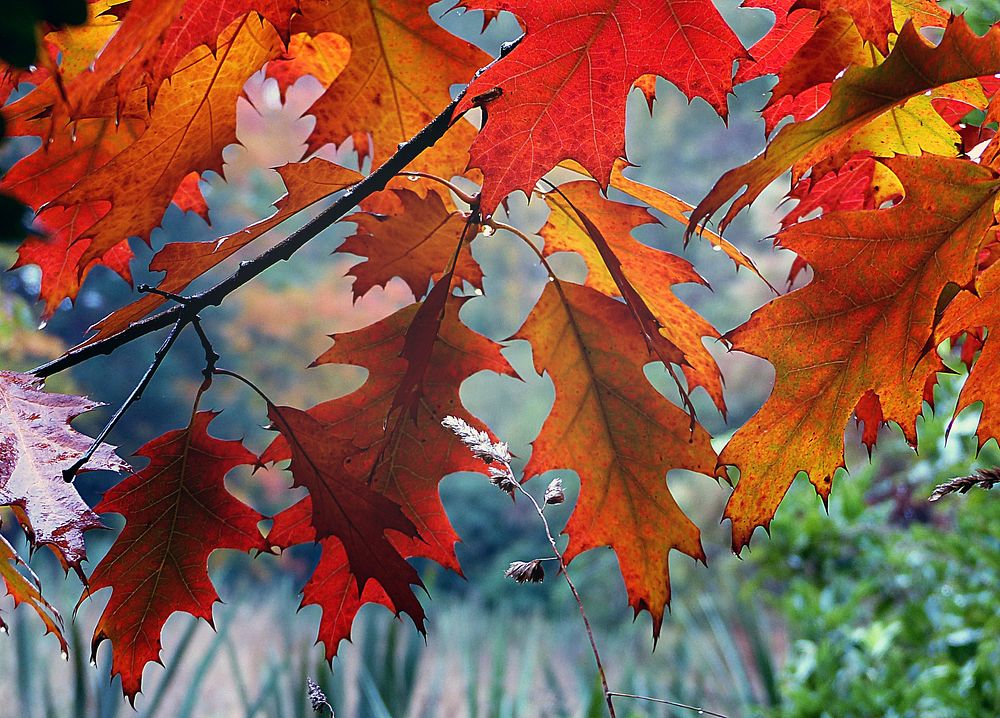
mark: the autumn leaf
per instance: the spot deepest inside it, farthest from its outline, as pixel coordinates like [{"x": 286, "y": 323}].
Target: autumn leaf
[
  {"x": 673, "y": 207},
  {"x": 564, "y": 88},
  {"x": 331, "y": 586},
  {"x": 793, "y": 27},
  {"x": 183, "y": 262},
  {"x": 46, "y": 173},
  {"x": 36, "y": 444},
  {"x": 192, "y": 122},
  {"x": 860, "y": 96},
  {"x": 872, "y": 17},
  {"x": 862, "y": 325},
  {"x": 398, "y": 78},
  {"x": 155, "y": 36},
  {"x": 619, "y": 434},
  {"x": 401, "y": 458},
  {"x": 347, "y": 508},
  {"x": 177, "y": 511},
  {"x": 322, "y": 57},
  {"x": 651, "y": 272},
  {"x": 416, "y": 244},
  {"x": 24, "y": 587},
  {"x": 967, "y": 312}
]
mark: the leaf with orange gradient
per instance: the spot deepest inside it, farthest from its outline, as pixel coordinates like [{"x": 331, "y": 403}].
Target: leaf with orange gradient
[
  {"x": 859, "y": 97},
  {"x": 873, "y": 18},
  {"x": 675, "y": 208},
  {"x": 183, "y": 262},
  {"x": 619, "y": 434},
  {"x": 401, "y": 68},
  {"x": 155, "y": 36},
  {"x": 415, "y": 243},
  {"x": 969, "y": 312},
  {"x": 862, "y": 325},
  {"x": 323, "y": 57},
  {"x": 188, "y": 128},
  {"x": 650, "y": 271},
  {"x": 27, "y": 589},
  {"x": 565, "y": 86},
  {"x": 36, "y": 444},
  {"x": 177, "y": 512}
]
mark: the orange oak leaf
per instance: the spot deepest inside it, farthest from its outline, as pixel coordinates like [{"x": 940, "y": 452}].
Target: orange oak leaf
[
  {"x": 862, "y": 325},
  {"x": 188, "y": 128},
  {"x": 969, "y": 312},
  {"x": 621, "y": 436},
  {"x": 860, "y": 96},
  {"x": 564, "y": 88},
  {"x": 398, "y": 78},
  {"x": 416, "y": 243},
  {"x": 155, "y": 36},
  {"x": 323, "y": 57},
  {"x": 674, "y": 207},
  {"x": 36, "y": 444},
  {"x": 650, "y": 271},
  {"x": 45, "y": 174},
  {"x": 873, "y": 18},
  {"x": 24, "y": 587},
  {"x": 177, "y": 511},
  {"x": 183, "y": 262}
]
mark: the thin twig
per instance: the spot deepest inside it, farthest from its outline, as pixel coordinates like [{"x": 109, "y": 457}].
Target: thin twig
[
  {"x": 282, "y": 251},
  {"x": 557, "y": 554},
  {"x": 696, "y": 709},
  {"x": 211, "y": 356},
  {"x": 70, "y": 473},
  {"x": 459, "y": 192}
]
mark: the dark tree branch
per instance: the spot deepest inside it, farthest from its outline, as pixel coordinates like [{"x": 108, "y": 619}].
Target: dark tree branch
[
  {"x": 185, "y": 311},
  {"x": 70, "y": 473}
]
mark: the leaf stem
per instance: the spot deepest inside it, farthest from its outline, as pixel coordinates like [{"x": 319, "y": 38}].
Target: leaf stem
[
  {"x": 699, "y": 711},
  {"x": 469, "y": 199}
]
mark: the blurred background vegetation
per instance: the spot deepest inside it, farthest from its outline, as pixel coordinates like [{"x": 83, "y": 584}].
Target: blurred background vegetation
[{"x": 884, "y": 605}]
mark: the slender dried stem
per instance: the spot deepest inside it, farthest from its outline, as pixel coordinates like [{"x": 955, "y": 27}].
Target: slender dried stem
[
  {"x": 696, "y": 709},
  {"x": 557, "y": 554}
]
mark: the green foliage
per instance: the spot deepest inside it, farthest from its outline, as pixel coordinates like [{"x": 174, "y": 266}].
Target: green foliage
[{"x": 890, "y": 602}]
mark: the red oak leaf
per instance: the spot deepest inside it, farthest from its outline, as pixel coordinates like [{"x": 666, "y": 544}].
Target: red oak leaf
[
  {"x": 564, "y": 88},
  {"x": 177, "y": 511}
]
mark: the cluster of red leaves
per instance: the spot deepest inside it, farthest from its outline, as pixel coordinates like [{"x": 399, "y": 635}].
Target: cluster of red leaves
[{"x": 877, "y": 91}]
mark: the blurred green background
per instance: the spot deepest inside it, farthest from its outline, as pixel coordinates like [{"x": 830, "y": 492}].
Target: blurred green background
[{"x": 885, "y": 605}]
